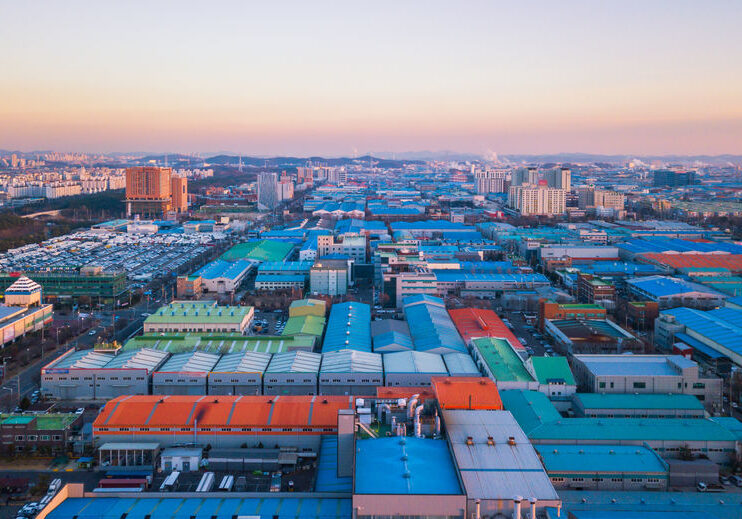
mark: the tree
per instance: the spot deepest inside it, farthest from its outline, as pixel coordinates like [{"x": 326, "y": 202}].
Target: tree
[{"x": 25, "y": 403}]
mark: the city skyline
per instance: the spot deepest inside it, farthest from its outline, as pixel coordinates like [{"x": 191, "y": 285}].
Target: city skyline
[{"x": 337, "y": 79}]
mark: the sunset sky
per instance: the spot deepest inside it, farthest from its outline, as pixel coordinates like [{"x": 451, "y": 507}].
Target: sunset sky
[{"x": 316, "y": 77}]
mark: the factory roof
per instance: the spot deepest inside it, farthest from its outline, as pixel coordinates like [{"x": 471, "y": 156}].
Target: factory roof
[
  {"x": 660, "y": 244},
  {"x": 283, "y": 278},
  {"x": 502, "y": 361},
  {"x": 295, "y": 362},
  {"x": 466, "y": 393},
  {"x": 219, "y": 342},
  {"x": 414, "y": 362},
  {"x": 530, "y": 408},
  {"x": 211, "y": 507},
  {"x": 203, "y": 312},
  {"x": 731, "y": 262},
  {"x": 432, "y": 225},
  {"x": 637, "y": 401},
  {"x": 552, "y": 370},
  {"x": 430, "y": 325},
  {"x": 305, "y": 325},
  {"x": 477, "y": 322},
  {"x": 81, "y": 359},
  {"x": 285, "y": 266},
  {"x": 220, "y": 268},
  {"x": 559, "y": 459},
  {"x": 327, "y": 466},
  {"x": 722, "y": 326},
  {"x": 146, "y": 358},
  {"x": 664, "y": 286},
  {"x": 310, "y": 306},
  {"x": 731, "y": 424},
  {"x": 384, "y": 326},
  {"x": 235, "y": 411},
  {"x": 247, "y": 362},
  {"x": 460, "y": 364},
  {"x": 635, "y": 365},
  {"x": 632, "y": 429},
  {"x": 494, "y": 457},
  {"x": 351, "y": 361},
  {"x": 399, "y": 466},
  {"x": 349, "y": 327},
  {"x": 195, "y": 362},
  {"x": 391, "y": 335},
  {"x": 260, "y": 250}
]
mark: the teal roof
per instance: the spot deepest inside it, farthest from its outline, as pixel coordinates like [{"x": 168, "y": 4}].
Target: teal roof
[
  {"x": 617, "y": 459},
  {"x": 552, "y": 369},
  {"x": 529, "y": 408},
  {"x": 631, "y": 429},
  {"x": 730, "y": 424},
  {"x": 638, "y": 401}
]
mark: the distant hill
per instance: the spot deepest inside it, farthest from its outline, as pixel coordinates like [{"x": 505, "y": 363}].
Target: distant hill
[{"x": 302, "y": 161}]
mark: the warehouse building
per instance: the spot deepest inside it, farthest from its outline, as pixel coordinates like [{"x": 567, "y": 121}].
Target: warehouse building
[
  {"x": 292, "y": 373},
  {"x": 498, "y": 360},
  {"x": 349, "y": 327},
  {"x": 350, "y": 372},
  {"x": 670, "y": 292},
  {"x": 431, "y": 327},
  {"x": 666, "y": 374},
  {"x": 258, "y": 251},
  {"x": 473, "y": 323},
  {"x": 412, "y": 368},
  {"x": 91, "y": 375},
  {"x": 636, "y": 405},
  {"x": 571, "y": 336},
  {"x": 184, "y": 374},
  {"x": 604, "y": 467},
  {"x": 222, "y": 422},
  {"x": 500, "y": 470},
  {"x": 223, "y": 277},
  {"x": 554, "y": 378},
  {"x": 310, "y": 326},
  {"x": 300, "y": 307},
  {"x": 219, "y": 343},
  {"x": 239, "y": 374},
  {"x": 408, "y": 477},
  {"x": 461, "y": 365},
  {"x": 390, "y": 335},
  {"x": 330, "y": 276},
  {"x": 199, "y": 316}
]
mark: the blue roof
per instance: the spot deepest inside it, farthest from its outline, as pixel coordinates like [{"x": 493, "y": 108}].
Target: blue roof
[
  {"x": 400, "y": 466},
  {"x": 282, "y": 278},
  {"x": 285, "y": 266},
  {"x": 663, "y": 286},
  {"x": 349, "y": 327},
  {"x": 355, "y": 225},
  {"x": 699, "y": 346},
  {"x": 433, "y": 225},
  {"x": 662, "y": 244},
  {"x": 220, "y": 268},
  {"x": 450, "y": 275},
  {"x": 723, "y": 325},
  {"x": 631, "y": 459},
  {"x": 327, "y": 466},
  {"x": 431, "y": 327},
  {"x": 202, "y": 507},
  {"x": 612, "y": 268},
  {"x": 497, "y": 267}
]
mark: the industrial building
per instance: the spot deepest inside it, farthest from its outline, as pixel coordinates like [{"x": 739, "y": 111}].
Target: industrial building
[
  {"x": 239, "y": 374},
  {"x": 223, "y": 277},
  {"x": 312, "y": 326},
  {"x": 636, "y": 405},
  {"x": 571, "y": 336},
  {"x": 299, "y": 307},
  {"x": 669, "y": 292},
  {"x": 258, "y": 251},
  {"x": 666, "y": 374},
  {"x": 349, "y": 327},
  {"x": 350, "y": 372},
  {"x": 199, "y": 316},
  {"x": 431, "y": 327},
  {"x": 223, "y": 422},
  {"x": 91, "y": 375},
  {"x": 390, "y": 335},
  {"x": 412, "y": 368},
  {"x": 292, "y": 373},
  {"x": 184, "y": 374},
  {"x": 461, "y": 365},
  {"x": 604, "y": 467},
  {"x": 330, "y": 276},
  {"x": 473, "y": 323}
]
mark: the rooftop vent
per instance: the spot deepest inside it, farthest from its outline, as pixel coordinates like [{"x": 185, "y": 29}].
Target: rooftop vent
[
  {"x": 490, "y": 441},
  {"x": 469, "y": 440},
  {"x": 511, "y": 440}
]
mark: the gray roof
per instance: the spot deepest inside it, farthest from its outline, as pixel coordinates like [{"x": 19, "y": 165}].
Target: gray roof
[
  {"x": 196, "y": 361},
  {"x": 460, "y": 364},
  {"x": 499, "y": 471},
  {"x": 414, "y": 362},
  {"x": 295, "y": 362},
  {"x": 635, "y": 365},
  {"x": 247, "y": 362},
  {"x": 83, "y": 359},
  {"x": 351, "y": 361},
  {"x": 145, "y": 358},
  {"x": 389, "y": 325},
  {"x": 129, "y": 446}
]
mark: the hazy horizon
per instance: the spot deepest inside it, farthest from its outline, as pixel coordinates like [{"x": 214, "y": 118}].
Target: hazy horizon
[{"x": 338, "y": 79}]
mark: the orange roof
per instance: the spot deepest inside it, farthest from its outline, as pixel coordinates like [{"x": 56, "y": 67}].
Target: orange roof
[
  {"x": 466, "y": 393},
  {"x": 733, "y": 262},
  {"x": 404, "y": 392},
  {"x": 235, "y": 411},
  {"x": 478, "y": 322}
]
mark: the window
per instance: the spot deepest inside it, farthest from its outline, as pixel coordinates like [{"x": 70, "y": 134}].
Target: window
[
  {"x": 44, "y": 437},
  {"x": 19, "y": 437},
  {"x": 602, "y": 385},
  {"x": 640, "y": 385},
  {"x": 32, "y": 437},
  {"x": 699, "y": 385}
]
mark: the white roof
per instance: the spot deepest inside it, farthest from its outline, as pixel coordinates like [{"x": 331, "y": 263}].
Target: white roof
[
  {"x": 298, "y": 361},
  {"x": 351, "y": 361},
  {"x": 414, "y": 362}
]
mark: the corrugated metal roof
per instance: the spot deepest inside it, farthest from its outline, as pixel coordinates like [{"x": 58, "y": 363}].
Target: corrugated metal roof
[
  {"x": 603, "y": 459},
  {"x": 351, "y": 361},
  {"x": 637, "y": 401},
  {"x": 83, "y": 359},
  {"x": 414, "y": 362},
  {"x": 460, "y": 364},
  {"x": 295, "y": 362},
  {"x": 146, "y": 358},
  {"x": 349, "y": 327},
  {"x": 247, "y": 362},
  {"x": 431, "y": 327},
  {"x": 195, "y": 362}
]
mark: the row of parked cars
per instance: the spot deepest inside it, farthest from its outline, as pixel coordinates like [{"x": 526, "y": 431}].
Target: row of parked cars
[{"x": 30, "y": 510}]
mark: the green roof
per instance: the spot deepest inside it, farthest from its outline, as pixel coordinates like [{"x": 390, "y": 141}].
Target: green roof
[
  {"x": 638, "y": 401},
  {"x": 219, "y": 343},
  {"x": 552, "y": 369},
  {"x": 632, "y": 429},
  {"x": 501, "y": 360},
  {"x": 530, "y": 409},
  {"x": 44, "y": 422},
  {"x": 201, "y": 312},
  {"x": 262, "y": 250},
  {"x": 574, "y": 306},
  {"x": 305, "y": 325}
]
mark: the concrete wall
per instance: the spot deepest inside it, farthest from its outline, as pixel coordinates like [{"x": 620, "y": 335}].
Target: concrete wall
[
  {"x": 178, "y": 384},
  {"x": 93, "y": 384},
  {"x": 367, "y": 505}
]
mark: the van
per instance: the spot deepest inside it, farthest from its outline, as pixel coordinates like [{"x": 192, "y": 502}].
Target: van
[{"x": 737, "y": 480}]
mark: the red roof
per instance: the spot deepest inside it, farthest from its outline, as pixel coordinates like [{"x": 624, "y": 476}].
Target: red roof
[
  {"x": 404, "y": 392},
  {"x": 466, "y": 393},
  {"x": 733, "y": 262},
  {"x": 477, "y": 322}
]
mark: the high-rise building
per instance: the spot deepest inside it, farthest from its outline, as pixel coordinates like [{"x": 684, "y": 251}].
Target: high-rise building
[
  {"x": 525, "y": 176},
  {"x": 268, "y": 195},
  {"x": 490, "y": 181},
  {"x": 560, "y": 178},
  {"x": 286, "y": 189},
  {"x": 537, "y": 200},
  {"x": 590, "y": 198},
  {"x": 179, "y": 189},
  {"x": 673, "y": 178},
  {"x": 148, "y": 191}
]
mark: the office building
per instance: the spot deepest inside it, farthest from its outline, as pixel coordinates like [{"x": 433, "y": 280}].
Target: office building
[
  {"x": 537, "y": 200},
  {"x": 268, "y": 195},
  {"x": 152, "y": 192},
  {"x": 560, "y": 178},
  {"x": 329, "y": 277},
  {"x": 670, "y": 178}
]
